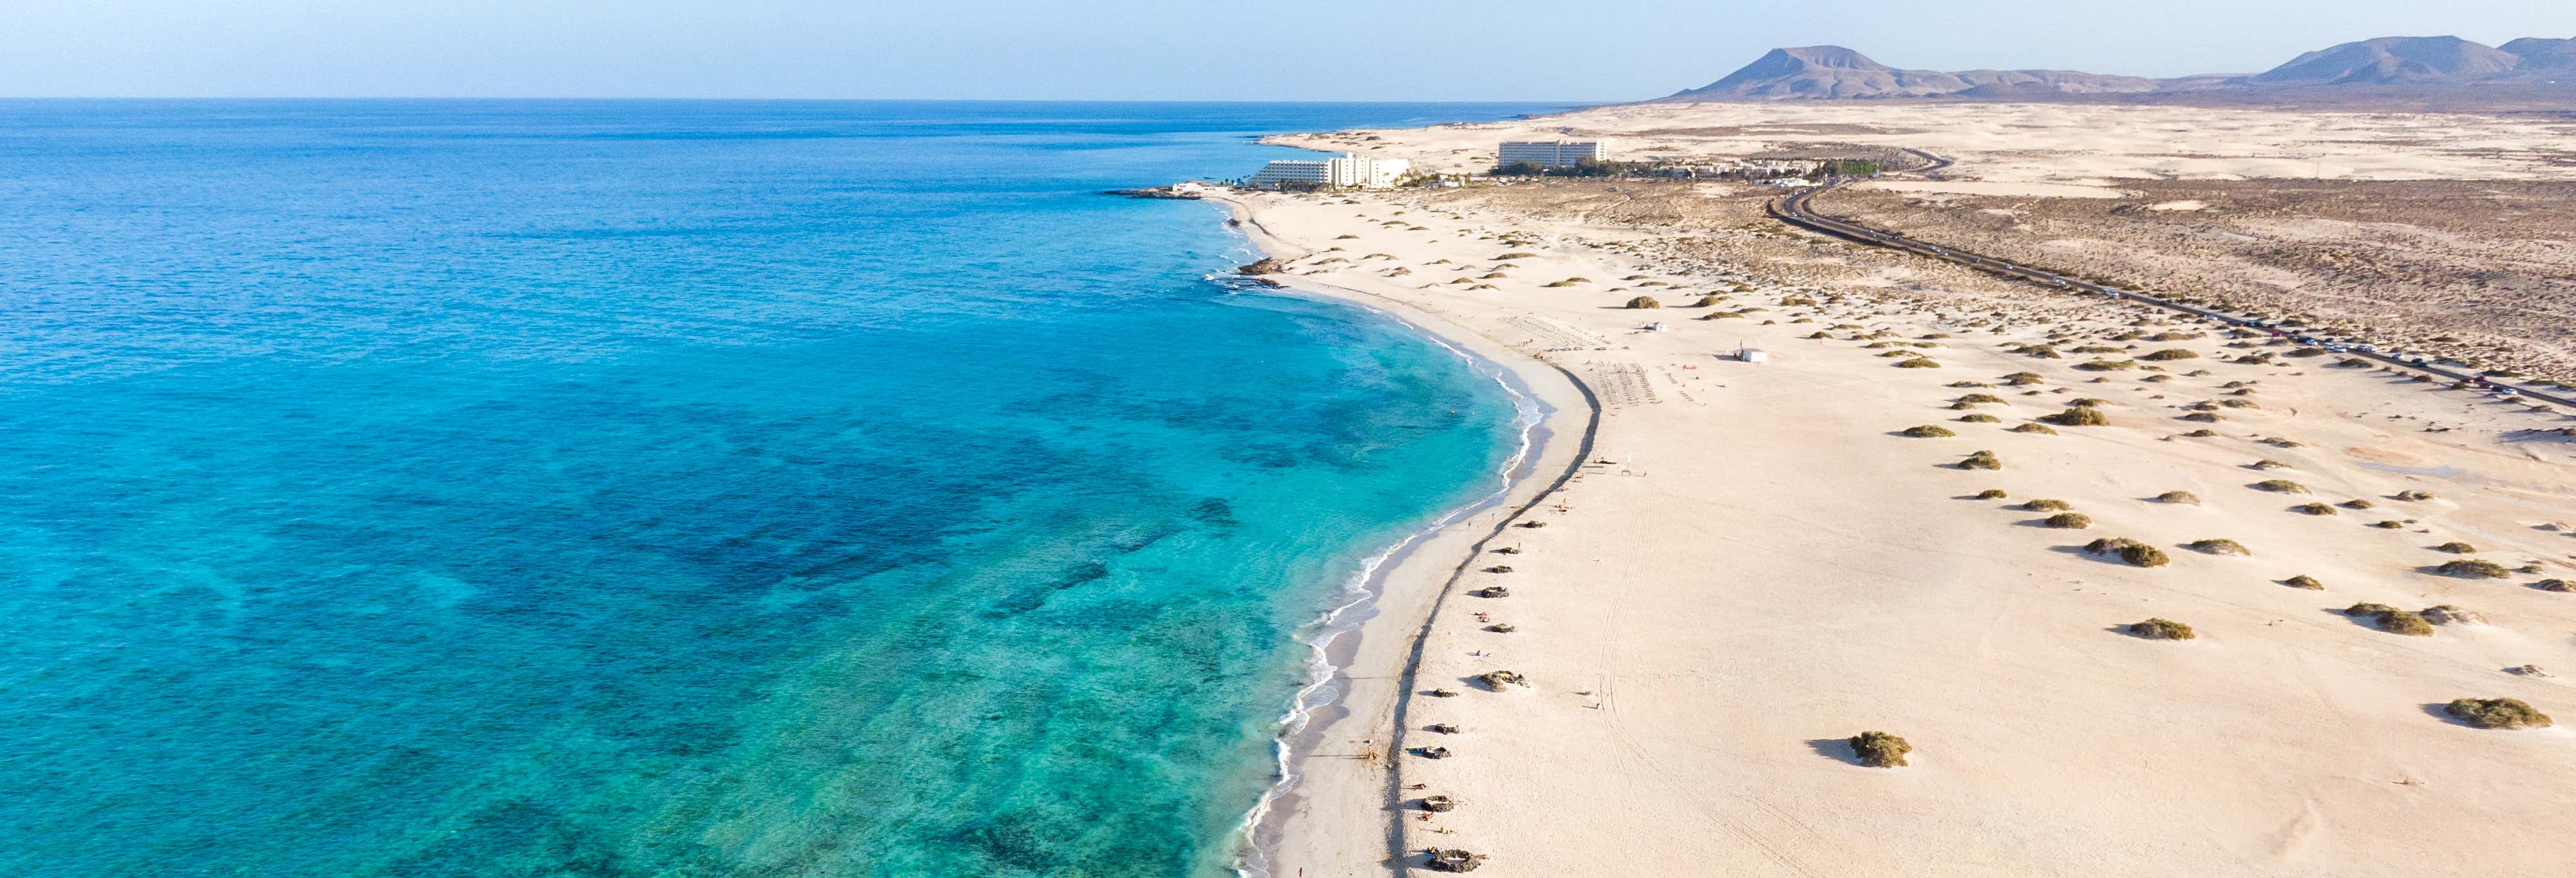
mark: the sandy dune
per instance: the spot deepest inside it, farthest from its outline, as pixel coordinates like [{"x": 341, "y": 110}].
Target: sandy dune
[
  {"x": 2037, "y": 142},
  {"x": 1753, "y": 565}
]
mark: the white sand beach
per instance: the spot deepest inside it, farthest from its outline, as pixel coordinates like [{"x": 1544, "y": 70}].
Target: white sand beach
[{"x": 1754, "y": 564}]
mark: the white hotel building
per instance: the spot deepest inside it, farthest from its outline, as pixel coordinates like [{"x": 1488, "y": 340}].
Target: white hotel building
[
  {"x": 1552, "y": 154},
  {"x": 1350, "y": 170}
]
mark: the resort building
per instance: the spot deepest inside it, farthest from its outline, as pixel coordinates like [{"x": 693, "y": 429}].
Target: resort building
[
  {"x": 1348, "y": 170},
  {"x": 1552, "y": 154}
]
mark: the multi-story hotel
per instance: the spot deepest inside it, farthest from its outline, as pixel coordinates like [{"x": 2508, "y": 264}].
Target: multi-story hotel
[
  {"x": 1350, "y": 170},
  {"x": 1552, "y": 154}
]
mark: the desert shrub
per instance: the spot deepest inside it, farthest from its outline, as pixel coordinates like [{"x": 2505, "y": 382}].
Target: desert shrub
[
  {"x": 2171, "y": 354},
  {"x": 1991, "y": 494},
  {"x": 2471, "y": 568},
  {"x": 1642, "y": 302},
  {"x": 2239, "y": 403},
  {"x": 1713, "y": 301},
  {"x": 2161, "y": 629},
  {"x": 2414, "y": 495},
  {"x": 2201, "y": 417},
  {"x": 2280, "y": 486},
  {"x": 1918, "y": 363},
  {"x": 1819, "y": 335},
  {"x": 2034, "y": 428},
  {"x": 2095, "y": 349},
  {"x": 1980, "y": 419},
  {"x": 2046, "y": 505},
  {"x": 1928, "y": 431},
  {"x": 2389, "y": 524},
  {"x": 2081, "y": 416},
  {"x": 1496, "y": 680},
  {"x": 2557, "y": 585},
  {"x": 2135, "y": 553},
  {"x": 2304, "y": 581},
  {"x": 2201, "y": 434},
  {"x": 2178, "y": 497},
  {"x": 2449, "y": 614},
  {"x": 2107, "y": 365},
  {"x": 2087, "y": 402},
  {"x": 2020, "y": 378},
  {"x": 2366, "y": 608},
  {"x": 1796, "y": 301},
  {"x": 2403, "y": 622},
  {"x": 2069, "y": 521},
  {"x": 1975, "y": 398},
  {"x": 2313, "y": 509},
  {"x": 2352, "y": 363},
  {"x": 1880, "y": 749},
  {"x": 2219, "y": 547},
  {"x": 2355, "y": 504},
  {"x": 1981, "y": 460},
  {"x": 2307, "y": 352},
  {"x": 2456, "y": 547},
  {"x": 2496, "y": 713},
  {"x": 2267, "y": 463}
]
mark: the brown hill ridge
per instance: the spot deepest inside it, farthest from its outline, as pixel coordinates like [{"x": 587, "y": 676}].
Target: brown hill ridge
[{"x": 1837, "y": 73}]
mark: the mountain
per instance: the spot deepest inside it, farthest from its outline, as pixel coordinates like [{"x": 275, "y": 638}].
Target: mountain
[
  {"x": 2538, "y": 57},
  {"x": 1837, "y": 73},
  {"x": 1829, "y": 72},
  {"x": 2393, "y": 59}
]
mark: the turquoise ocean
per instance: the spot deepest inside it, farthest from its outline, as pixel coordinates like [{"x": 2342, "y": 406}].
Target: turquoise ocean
[{"x": 674, "y": 488}]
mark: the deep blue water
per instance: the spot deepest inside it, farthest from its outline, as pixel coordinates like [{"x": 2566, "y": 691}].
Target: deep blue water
[{"x": 670, "y": 488}]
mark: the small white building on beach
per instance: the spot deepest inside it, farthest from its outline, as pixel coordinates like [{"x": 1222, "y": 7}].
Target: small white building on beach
[{"x": 1346, "y": 171}]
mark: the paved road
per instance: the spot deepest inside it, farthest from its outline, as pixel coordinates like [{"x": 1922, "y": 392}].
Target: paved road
[{"x": 1793, "y": 209}]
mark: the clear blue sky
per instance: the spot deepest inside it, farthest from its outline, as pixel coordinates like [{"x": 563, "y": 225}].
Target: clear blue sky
[{"x": 1140, "y": 49}]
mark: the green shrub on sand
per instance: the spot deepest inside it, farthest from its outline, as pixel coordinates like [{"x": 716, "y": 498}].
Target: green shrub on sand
[
  {"x": 2047, "y": 505},
  {"x": 2020, "y": 378},
  {"x": 2219, "y": 547},
  {"x": 1918, "y": 363},
  {"x": 2314, "y": 509},
  {"x": 2304, "y": 581},
  {"x": 1642, "y": 302},
  {"x": 2081, "y": 416},
  {"x": 1928, "y": 431},
  {"x": 2069, "y": 521},
  {"x": 2474, "y": 569},
  {"x": 1991, "y": 494},
  {"x": 1880, "y": 749},
  {"x": 1981, "y": 460},
  {"x": 2161, "y": 629},
  {"x": 1980, "y": 419},
  {"x": 2496, "y": 713},
  {"x": 2414, "y": 495},
  {"x": 2042, "y": 429},
  {"x": 2280, "y": 486},
  {"x": 2403, "y": 622},
  {"x": 2134, "y": 553},
  {"x": 2456, "y": 547},
  {"x": 2178, "y": 497},
  {"x": 2171, "y": 354}
]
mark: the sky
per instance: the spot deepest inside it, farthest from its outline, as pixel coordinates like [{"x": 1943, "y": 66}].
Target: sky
[{"x": 1597, "y": 50}]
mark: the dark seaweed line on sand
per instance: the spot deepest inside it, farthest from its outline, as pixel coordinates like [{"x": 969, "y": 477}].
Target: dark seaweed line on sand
[{"x": 1396, "y": 851}]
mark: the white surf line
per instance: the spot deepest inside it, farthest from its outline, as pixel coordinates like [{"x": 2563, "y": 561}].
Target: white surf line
[{"x": 1256, "y": 837}]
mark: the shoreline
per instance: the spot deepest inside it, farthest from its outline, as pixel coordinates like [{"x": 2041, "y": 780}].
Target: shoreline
[
  {"x": 1392, "y": 592},
  {"x": 1672, "y": 671}
]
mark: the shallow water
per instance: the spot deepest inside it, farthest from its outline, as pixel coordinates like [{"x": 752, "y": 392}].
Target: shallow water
[{"x": 670, "y": 488}]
